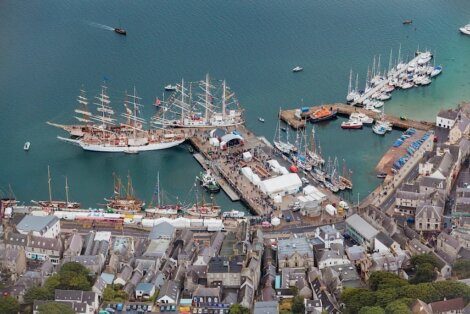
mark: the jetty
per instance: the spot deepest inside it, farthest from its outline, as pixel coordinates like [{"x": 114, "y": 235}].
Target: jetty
[{"x": 290, "y": 118}]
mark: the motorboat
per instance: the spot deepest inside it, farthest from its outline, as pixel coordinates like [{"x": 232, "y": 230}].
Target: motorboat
[
  {"x": 407, "y": 85},
  {"x": 209, "y": 182},
  {"x": 170, "y": 88},
  {"x": 26, "y": 146},
  {"x": 377, "y": 104},
  {"x": 260, "y": 119},
  {"x": 120, "y": 31},
  {"x": 323, "y": 114},
  {"x": 379, "y": 129},
  {"x": 297, "y": 69},
  {"x": 351, "y": 124},
  {"x": 365, "y": 119},
  {"x": 407, "y": 22},
  {"x": 381, "y": 175},
  {"x": 371, "y": 107},
  {"x": 436, "y": 71},
  {"x": 465, "y": 29},
  {"x": 425, "y": 81}
]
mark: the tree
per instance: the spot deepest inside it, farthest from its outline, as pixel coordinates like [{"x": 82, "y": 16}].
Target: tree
[
  {"x": 371, "y": 310},
  {"x": 424, "y": 259},
  {"x": 37, "y": 293},
  {"x": 55, "y": 308},
  {"x": 238, "y": 309},
  {"x": 425, "y": 273},
  {"x": 298, "y": 306},
  {"x": 384, "y": 280},
  {"x": 461, "y": 268},
  {"x": 451, "y": 289},
  {"x": 385, "y": 296},
  {"x": 360, "y": 300},
  {"x": 114, "y": 293},
  {"x": 9, "y": 304},
  {"x": 397, "y": 307}
]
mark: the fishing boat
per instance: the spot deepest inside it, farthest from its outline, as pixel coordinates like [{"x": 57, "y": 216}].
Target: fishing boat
[
  {"x": 101, "y": 131},
  {"x": 465, "y": 29},
  {"x": 297, "y": 69},
  {"x": 351, "y": 124},
  {"x": 55, "y": 204},
  {"x": 323, "y": 114},
  {"x": 26, "y": 146},
  {"x": 124, "y": 200},
  {"x": 201, "y": 104},
  {"x": 365, "y": 119},
  {"x": 209, "y": 182},
  {"x": 120, "y": 31},
  {"x": 260, "y": 119},
  {"x": 157, "y": 205},
  {"x": 170, "y": 88}
]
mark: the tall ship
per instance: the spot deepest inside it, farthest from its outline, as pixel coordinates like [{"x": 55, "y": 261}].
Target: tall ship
[
  {"x": 104, "y": 130},
  {"x": 201, "y": 104},
  {"x": 157, "y": 205},
  {"x": 203, "y": 209},
  {"x": 314, "y": 152},
  {"x": 124, "y": 199},
  {"x": 51, "y": 204}
]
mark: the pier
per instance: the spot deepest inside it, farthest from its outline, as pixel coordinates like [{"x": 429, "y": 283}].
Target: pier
[
  {"x": 288, "y": 116},
  {"x": 226, "y": 166}
]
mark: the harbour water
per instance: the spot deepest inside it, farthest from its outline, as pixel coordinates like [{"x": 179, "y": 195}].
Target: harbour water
[{"x": 49, "y": 49}]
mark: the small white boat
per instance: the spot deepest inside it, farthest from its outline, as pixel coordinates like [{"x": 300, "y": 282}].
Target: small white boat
[
  {"x": 260, "y": 119},
  {"x": 407, "y": 85},
  {"x": 436, "y": 71},
  {"x": 26, "y": 146},
  {"x": 465, "y": 29},
  {"x": 131, "y": 151},
  {"x": 170, "y": 88},
  {"x": 365, "y": 119},
  {"x": 297, "y": 69},
  {"x": 425, "y": 81},
  {"x": 377, "y": 104},
  {"x": 352, "y": 124}
]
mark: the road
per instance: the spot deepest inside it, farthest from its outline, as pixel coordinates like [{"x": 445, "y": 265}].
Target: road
[
  {"x": 126, "y": 231},
  {"x": 390, "y": 200}
]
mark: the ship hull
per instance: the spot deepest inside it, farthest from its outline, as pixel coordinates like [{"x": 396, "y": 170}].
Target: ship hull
[{"x": 122, "y": 149}]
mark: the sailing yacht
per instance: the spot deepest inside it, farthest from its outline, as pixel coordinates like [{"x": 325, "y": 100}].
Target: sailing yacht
[
  {"x": 203, "y": 209},
  {"x": 283, "y": 146},
  {"x": 101, "y": 131}
]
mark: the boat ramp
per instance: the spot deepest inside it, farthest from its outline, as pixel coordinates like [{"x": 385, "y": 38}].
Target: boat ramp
[{"x": 290, "y": 118}]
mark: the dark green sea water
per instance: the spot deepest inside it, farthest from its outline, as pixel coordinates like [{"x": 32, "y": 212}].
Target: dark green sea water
[{"x": 49, "y": 49}]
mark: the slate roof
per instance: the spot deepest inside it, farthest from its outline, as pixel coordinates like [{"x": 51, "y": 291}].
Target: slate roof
[
  {"x": 429, "y": 211},
  {"x": 450, "y": 240},
  {"x": 362, "y": 226},
  {"x": 266, "y": 307},
  {"x": 287, "y": 247},
  {"x": 170, "y": 289},
  {"x": 75, "y": 295},
  {"x": 447, "y": 305},
  {"x": 221, "y": 264},
  {"x": 144, "y": 287},
  {"x": 202, "y": 291},
  {"x": 162, "y": 230},
  {"x": 45, "y": 243},
  {"x": 449, "y": 114},
  {"x": 36, "y": 223},
  {"x": 385, "y": 239}
]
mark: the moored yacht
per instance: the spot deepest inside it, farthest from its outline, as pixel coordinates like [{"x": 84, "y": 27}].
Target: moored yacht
[
  {"x": 365, "y": 119},
  {"x": 352, "y": 124}
]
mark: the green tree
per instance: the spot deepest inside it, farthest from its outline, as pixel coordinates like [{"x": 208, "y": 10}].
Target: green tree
[
  {"x": 9, "y": 305},
  {"x": 360, "y": 300},
  {"x": 55, "y": 308},
  {"x": 52, "y": 283},
  {"x": 384, "y": 280},
  {"x": 37, "y": 293},
  {"x": 385, "y": 296},
  {"x": 450, "y": 289},
  {"x": 424, "y": 273},
  {"x": 397, "y": 307},
  {"x": 298, "y": 306},
  {"x": 461, "y": 268},
  {"x": 424, "y": 259},
  {"x": 371, "y": 310},
  {"x": 238, "y": 309}
]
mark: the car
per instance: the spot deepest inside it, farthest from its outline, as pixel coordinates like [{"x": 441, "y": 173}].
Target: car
[{"x": 305, "y": 180}]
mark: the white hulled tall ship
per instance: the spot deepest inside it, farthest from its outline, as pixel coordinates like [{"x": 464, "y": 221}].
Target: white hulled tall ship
[
  {"x": 202, "y": 104},
  {"x": 102, "y": 130}
]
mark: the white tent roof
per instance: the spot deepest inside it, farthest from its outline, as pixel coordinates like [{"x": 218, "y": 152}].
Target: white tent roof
[{"x": 282, "y": 183}]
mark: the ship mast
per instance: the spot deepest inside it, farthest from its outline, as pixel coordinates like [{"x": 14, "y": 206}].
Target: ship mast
[
  {"x": 223, "y": 100},
  {"x": 182, "y": 101},
  {"x": 66, "y": 191},
  {"x": 159, "y": 200},
  {"x": 207, "y": 98},
  {"x": 86, "y": 114},
  {"x": 49, "y": 183},
  {"x": 350, "y": 79}
]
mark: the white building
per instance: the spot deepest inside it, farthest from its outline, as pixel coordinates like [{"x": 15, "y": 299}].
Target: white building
[
  {"x": 281, "y": 185},
  {"x": 39, "y": 226},
  {"x": 446, "y": 118}
]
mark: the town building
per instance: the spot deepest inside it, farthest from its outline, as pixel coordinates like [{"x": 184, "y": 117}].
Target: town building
[
  {"x": 295, "y": 252},
  {"x": 361, "y": 231},
  {"x": 39, "y": 226}
]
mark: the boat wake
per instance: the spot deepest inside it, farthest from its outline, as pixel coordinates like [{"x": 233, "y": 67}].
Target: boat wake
[{"x": 102, "y": 26}]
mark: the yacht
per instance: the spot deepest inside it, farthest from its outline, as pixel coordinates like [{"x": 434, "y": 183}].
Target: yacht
[
  {"x": 170, "y": 88},
  {"x": 365, "y": 119},
  {"x": 465, "y": 29},
  {"x": 120, "y": 31},
  {"x": 379, "y": 129},
  {"x": 260, "y": 119},
  {"x": 297, "y": 69},
  {"x": 26, "y": 146},
  {"x": 351, "y": 124},
  {"x": 436, "y": 71}
]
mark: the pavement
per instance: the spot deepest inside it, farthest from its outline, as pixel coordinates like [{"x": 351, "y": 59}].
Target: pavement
[{"x": 126, "y": 231}]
